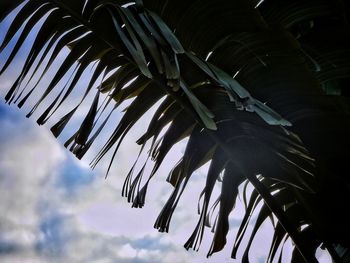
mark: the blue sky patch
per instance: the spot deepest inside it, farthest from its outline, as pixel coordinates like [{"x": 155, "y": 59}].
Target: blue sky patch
[
  {"x": 72, "y": 177},
  {"x": 54, "y": 237}
]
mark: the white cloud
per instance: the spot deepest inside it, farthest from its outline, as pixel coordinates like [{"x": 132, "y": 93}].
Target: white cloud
[
  {"x": 97, "y": 225},
  {"x": 28, "y": 160}
]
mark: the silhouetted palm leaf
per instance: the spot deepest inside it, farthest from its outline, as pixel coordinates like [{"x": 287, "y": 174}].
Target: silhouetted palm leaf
[{"x": 181, "y": 55}]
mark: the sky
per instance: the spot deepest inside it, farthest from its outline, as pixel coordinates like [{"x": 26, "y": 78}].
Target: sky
[{"x": 54, "y": 208}]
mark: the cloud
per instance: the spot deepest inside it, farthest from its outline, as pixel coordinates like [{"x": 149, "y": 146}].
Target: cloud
[
  {"x": 25, "y": 169},
  {"x": 57, "y": 210},
  {"x": 51, "y": 212}
]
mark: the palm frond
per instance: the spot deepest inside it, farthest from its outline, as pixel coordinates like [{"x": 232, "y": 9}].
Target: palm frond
[{"x": 189, "y": 74}]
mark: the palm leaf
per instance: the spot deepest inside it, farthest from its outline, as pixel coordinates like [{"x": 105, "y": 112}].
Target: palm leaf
[{"x": 135, "y": 46}]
